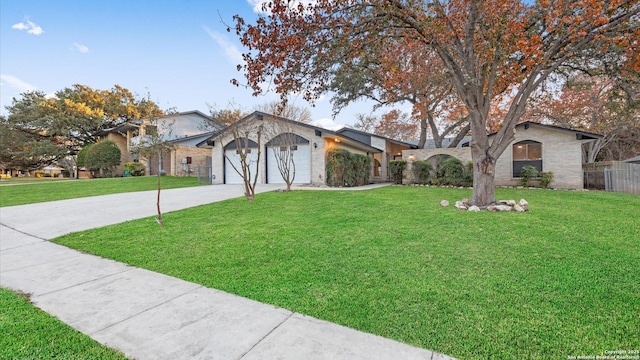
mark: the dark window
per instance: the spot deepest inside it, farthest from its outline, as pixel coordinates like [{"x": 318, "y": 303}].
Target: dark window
[
  {"x": 526, "y": 153},
  {"x": 294, "y": 147},
  {"x": 151, "y": 130}
]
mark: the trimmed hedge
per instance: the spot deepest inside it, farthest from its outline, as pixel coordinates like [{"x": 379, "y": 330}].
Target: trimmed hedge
[
  {"x": 396, "y": 168},
  {"x": 345, "y": 169},
  {"x": 134, "y": 168},
  {"x": 422, "y": 171}
]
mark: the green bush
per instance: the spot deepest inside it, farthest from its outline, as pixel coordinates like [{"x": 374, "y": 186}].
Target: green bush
[
  {"x": 451, "y": 171},
  {"x": 82, "y": 155},
  {"x": 526, "y": 174},
  {"x": 396, "y": 168},
  {"x": 347, "y": 169},
  {"x": 134, "y": 168},
  {"x": 546, "y": 178},
  {"x": 421, "y": 172},
  {"x": 102, "y": 157}
]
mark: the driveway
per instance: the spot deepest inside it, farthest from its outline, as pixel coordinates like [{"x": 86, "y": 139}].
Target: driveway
[{"x": 148, "y": 315}]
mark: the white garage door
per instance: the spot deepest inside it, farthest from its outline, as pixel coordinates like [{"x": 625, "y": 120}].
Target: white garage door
[
  {"x": 230, "y": 175},
  {"x": 302, "y": 160}
]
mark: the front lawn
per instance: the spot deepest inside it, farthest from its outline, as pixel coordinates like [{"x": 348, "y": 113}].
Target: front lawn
[
  {"x": 30, "y": 333},
  {"x": 20, "y": 194},
  {"x": 561, "y": 280}
]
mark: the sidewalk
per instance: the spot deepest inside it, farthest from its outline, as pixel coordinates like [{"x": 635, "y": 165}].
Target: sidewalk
[{"x": 147, "y": 315}]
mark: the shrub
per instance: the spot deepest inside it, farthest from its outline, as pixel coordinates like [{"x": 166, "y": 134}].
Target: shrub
[
  {"x": 421, "y": 172},
  {"x": 102, "y": 157},
  {"x": 396, "y": 168},
  {"x": 546, "y": 178},
  {"x": 347, "y": 169},
  {"x": 451, "y": 171},
  {"x": 527, "y": 173},
  {"x": 82, "y": 155},
  {"x": 134, "y": 168}
]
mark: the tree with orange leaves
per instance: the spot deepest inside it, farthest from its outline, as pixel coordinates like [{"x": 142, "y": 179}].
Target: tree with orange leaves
[{"x": 485, "y": 47}]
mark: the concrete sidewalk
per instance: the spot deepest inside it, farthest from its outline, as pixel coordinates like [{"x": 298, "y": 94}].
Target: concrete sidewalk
[{"x": 148, "y": 315}]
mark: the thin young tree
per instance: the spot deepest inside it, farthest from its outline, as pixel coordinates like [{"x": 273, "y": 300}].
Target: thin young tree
[
  {"x": 155, "y": 141},
  {"x": 248, "y": 165},
  {"x": 283, "y": 145}
]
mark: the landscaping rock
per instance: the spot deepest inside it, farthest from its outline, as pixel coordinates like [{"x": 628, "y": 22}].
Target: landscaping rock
[
  {"x": 518, "y": 208},
  {"x": 503, "y": 207},
  {"x": 444, "y": 203},
  {"x": 460, "y": 205},
  {"x": 474, "y": 208},
  {"x": 524, "y": 204},
  {"x": 511, "y": 203},
  {"x": 492, "y": 208}
]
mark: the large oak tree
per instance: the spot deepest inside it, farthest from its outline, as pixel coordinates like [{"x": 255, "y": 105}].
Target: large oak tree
[
  {"x": 487, "y": 48},
  {"x": 59, "y": 126}
]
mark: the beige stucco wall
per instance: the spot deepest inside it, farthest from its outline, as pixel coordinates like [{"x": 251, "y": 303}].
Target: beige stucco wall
[
  {"x": 319, "y": 146},
  {"x": 561, "y": 154},
  {"x": 317, "y": 153}
]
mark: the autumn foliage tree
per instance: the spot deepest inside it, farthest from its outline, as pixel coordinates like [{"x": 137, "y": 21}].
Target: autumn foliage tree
[
  {"x": 486, "y": 48},
  {"x": 68, "y": 121}
]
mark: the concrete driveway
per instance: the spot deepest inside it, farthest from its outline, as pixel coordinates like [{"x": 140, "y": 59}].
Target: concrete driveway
[{"x": 148, "y": 315}]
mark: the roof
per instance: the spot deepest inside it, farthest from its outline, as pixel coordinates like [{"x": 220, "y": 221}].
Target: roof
[
  {"x": 580, "y": 135},
  {"x": 122, "y": 128},
  {"x": 633, "y": 160},
  {"x": 345, "y": 139},
  {"x": 348, "y": 129},
  {"x": 431, "y": 144},
  {"x": 205, "y": 135}
]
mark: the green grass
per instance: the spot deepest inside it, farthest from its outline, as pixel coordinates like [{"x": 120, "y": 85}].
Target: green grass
[
  {"x": 560, "y": 280},
  {"x": 30, "y": 333},
  {"x": 60, "y": 190}
]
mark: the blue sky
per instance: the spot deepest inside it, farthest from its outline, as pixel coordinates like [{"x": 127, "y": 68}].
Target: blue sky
[{"x": 177, "y": 51}]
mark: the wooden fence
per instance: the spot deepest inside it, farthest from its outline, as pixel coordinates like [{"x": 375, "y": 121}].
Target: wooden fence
[{"x": 614, "y": 176}]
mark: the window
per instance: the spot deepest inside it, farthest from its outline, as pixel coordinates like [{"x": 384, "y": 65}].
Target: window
[
  {"x": 151, "y": 130},
  {"x": 526, "y": 153}
]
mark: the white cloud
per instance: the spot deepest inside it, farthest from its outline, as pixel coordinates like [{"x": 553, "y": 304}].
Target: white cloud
[
  {"x": 81, "y": 48},
  {"x": 257, "y": 4},
  {"x": 16, "y": 83},
  {"x": 231, "y": 51},
  {"x": 31, "y": 27}
]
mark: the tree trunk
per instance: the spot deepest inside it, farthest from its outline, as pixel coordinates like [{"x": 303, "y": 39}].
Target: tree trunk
[
  {"x": 484, "y": 168},
  {"x": 159, "y": 218},
  {"x": 423, "y": 133}
]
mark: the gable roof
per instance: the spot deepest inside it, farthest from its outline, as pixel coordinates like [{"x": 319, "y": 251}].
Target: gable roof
[
  {"x": 364, "y": 133},
  {"x": 345, "y": 139},
  {"x": 580, "y": 135}
]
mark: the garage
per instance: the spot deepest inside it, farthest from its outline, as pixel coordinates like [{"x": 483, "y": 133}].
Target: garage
[
  {"x": 301, "y": 150},
  {"x": 232, "y": 158}
]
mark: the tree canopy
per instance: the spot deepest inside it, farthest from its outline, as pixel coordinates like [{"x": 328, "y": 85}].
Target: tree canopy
[
  {"x": 64, "y": 123},
  {"x": 484, "y": 49}
]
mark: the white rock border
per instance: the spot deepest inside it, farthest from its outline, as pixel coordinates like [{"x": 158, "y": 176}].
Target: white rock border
[{"x": 499, "y": 206}]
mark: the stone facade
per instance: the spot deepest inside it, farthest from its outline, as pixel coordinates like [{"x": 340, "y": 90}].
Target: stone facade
[
  {"x": 321, "y": 141},
  {"x": 561, "y": 154},
  {"x": 318, "y": 144}
]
